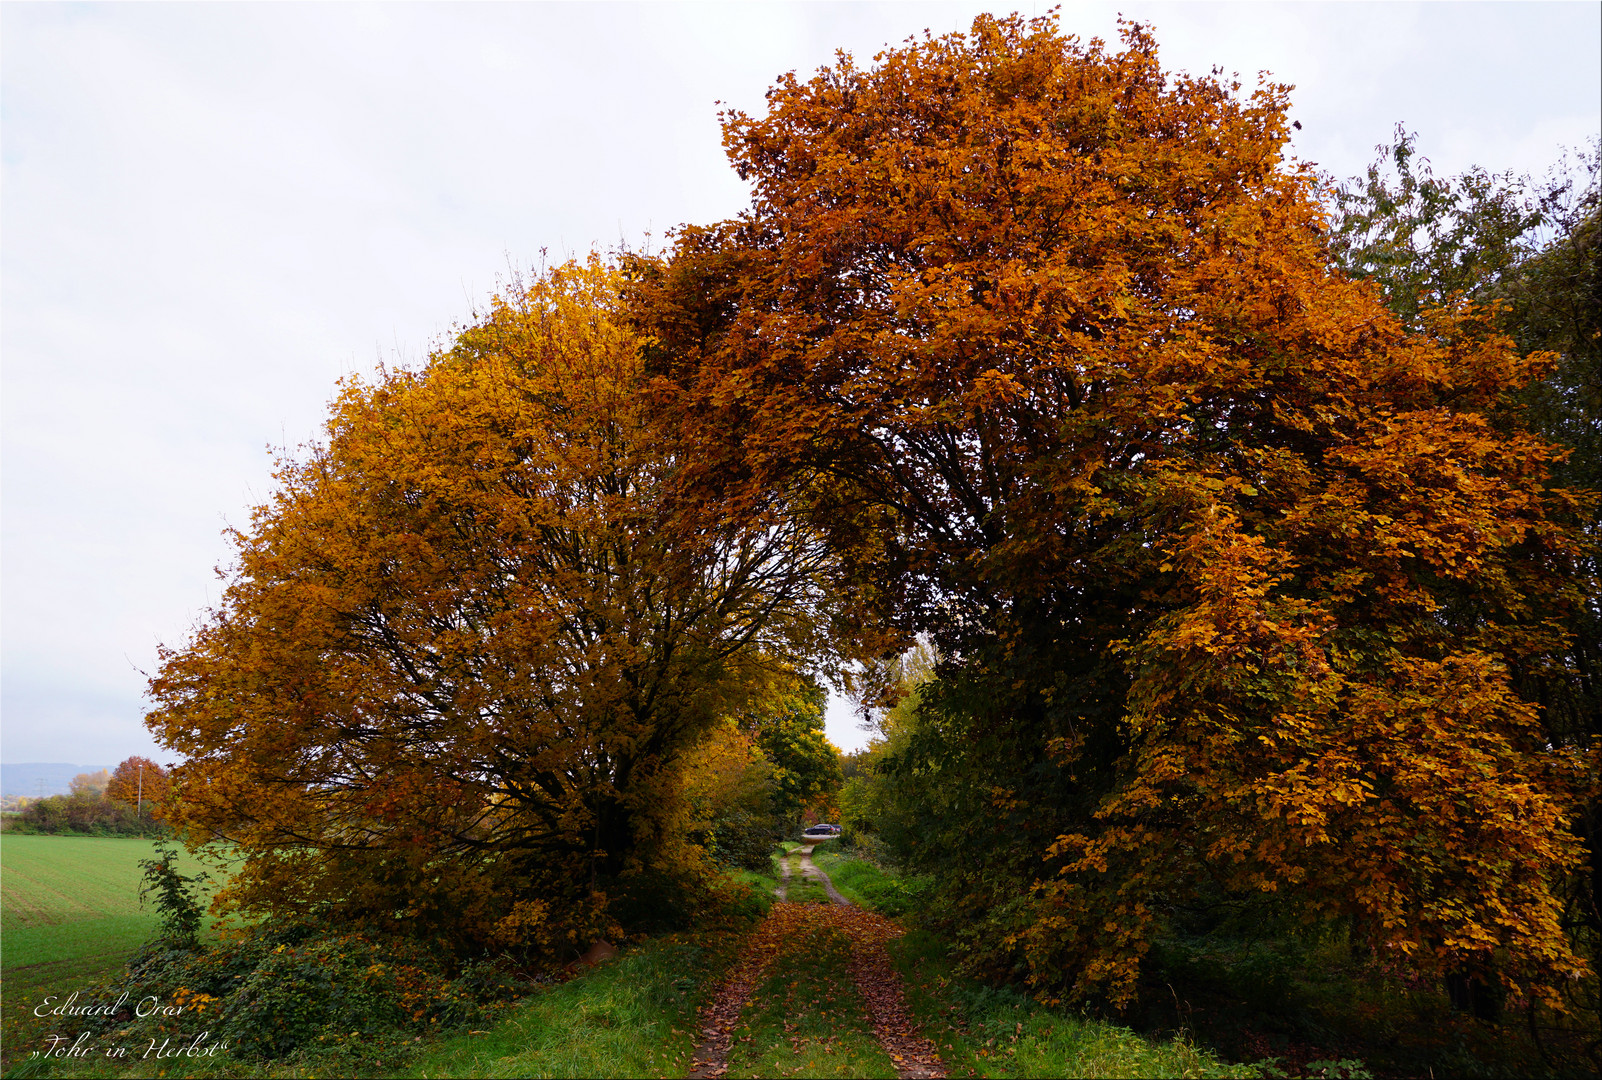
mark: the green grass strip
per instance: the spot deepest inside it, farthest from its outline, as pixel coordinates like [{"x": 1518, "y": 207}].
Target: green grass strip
[
  {"x": 634, "y": 1016},
  {"x": 997, "y": 1031},
  {"x": 802, "y": 889},
  {"x": 868, "y": 885}
]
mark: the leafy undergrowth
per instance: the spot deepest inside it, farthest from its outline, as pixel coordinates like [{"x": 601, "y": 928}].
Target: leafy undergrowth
[
  {"x": 997, "y": 1031},
  {"x": 806, "y": 1018},
  {"x": 632, "y": 1016},
  {"x": 1300, "y": 1002},
  {"x": 863, "y": 882},
  {"x": 282, "y": 995}
]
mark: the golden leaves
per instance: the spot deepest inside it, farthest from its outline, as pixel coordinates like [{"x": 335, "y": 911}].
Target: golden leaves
[
  {"x": 1073, "y": 369},
  {"x": 470, "y": 639}
]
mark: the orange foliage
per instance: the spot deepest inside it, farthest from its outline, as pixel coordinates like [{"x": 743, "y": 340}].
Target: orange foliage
[
  {"x": 1204, "y": 535},
  {"x": 470, "y": 639},
  {"x": 139, "y": 780}
]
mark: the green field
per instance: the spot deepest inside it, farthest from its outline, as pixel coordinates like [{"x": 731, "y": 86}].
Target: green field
[{"x": 69, "y": 913}]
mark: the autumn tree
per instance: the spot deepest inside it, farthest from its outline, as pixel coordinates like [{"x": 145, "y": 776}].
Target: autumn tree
[
  {"x": 729, "y": 789},
  {"x": 91, "y": 784},
  {"x": 1227, "y": 564},
  {"x": 138, "y": 781},
  {"x": 1527, "y": 247},
  {"x": 468, "y": 643}
]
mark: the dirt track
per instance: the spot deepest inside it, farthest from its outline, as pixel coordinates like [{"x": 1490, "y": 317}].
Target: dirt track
[{"x": 792, "y": 926}]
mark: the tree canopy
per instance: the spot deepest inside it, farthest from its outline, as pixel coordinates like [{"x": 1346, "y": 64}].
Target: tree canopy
[
  {"x": 139, "y": 782},
  {"x": 472, "y": 636},
  {"x": 806, "y": 766},
  {"x": 1236, "y": 563},
  {"x": 1226, "y": 563},
  {"x": 1527, "y": 248}
]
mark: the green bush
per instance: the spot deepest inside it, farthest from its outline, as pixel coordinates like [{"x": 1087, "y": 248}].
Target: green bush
[
  {"x": 743, "y": 839},
  {"x": 984, "y": 1029},
  {"x": 288, "y": 991},
  {"x": 177, "y": 897}
]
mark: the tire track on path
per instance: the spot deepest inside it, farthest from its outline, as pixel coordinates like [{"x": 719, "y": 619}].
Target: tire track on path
[
  {"x": 722, "y": 1010},
  {"x": 718, "y": 1017},
  {"x": 788, "y": 926},
  {"x": 878, "y": 982}
]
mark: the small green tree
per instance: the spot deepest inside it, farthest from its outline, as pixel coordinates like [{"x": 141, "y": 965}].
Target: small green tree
[
  {"x": 806, "y": 766},
  {"x": 177, "y": 896},
  {"x": 890, "y": 797}
]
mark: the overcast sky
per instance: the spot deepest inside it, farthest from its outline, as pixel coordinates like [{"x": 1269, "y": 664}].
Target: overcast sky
[{"x": 209, "y": 213}]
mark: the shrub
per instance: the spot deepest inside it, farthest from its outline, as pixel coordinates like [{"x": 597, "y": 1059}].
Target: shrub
[
  {"x": 87, "y": 813},
  {"x": 282, "y": 991}
]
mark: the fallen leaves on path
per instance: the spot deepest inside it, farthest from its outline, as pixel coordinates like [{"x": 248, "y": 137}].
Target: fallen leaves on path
[
  {"x": 792, "y": 926},
  {"x": 880, "y": 987},
  {"x": 786, "y": 925}
]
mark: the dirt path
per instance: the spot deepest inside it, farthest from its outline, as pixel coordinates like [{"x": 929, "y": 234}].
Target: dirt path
[
  {"x": 879, "y": 985},
  {"x": 810, "y": 870},
  {"x": 722, "y": 1012},
  {"x": 788, "y": 927}
]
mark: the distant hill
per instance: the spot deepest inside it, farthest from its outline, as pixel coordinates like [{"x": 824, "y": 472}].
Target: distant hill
[{"x": 41, "y": 777}]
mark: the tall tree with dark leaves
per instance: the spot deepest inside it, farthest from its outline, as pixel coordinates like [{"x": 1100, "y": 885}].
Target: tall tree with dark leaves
[
  {"x": 1053, "y": 340},
  {"x": 1527, "y": 248}
]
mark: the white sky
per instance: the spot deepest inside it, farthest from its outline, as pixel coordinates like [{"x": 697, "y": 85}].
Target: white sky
[{"x": 208, "y": 213}]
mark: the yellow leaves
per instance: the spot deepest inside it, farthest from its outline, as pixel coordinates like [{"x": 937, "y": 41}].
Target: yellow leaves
[
  {"x": 993, "y": 389},
  {"x": 1057, "y": 381},
  {"x": 476, "y": 632},
  {"x": 526, "y": 925}
]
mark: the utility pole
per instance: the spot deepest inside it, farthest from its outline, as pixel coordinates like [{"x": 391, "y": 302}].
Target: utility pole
[{"x": 140, "y": 813}]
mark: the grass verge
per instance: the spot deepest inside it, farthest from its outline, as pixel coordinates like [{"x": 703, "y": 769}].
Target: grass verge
[
  {"x": 870, "y": 886},
  {"x": 634, "y": 1016},
  {"x": 69, "y": 916},
  {"x": 984, "y": 1030},
  {"x": 762, "y": 888}
]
